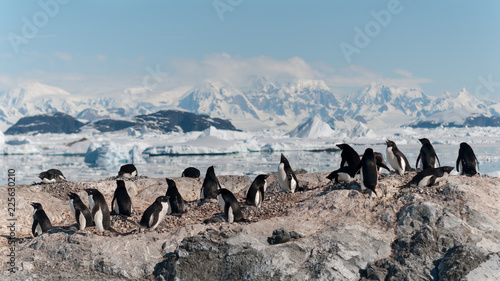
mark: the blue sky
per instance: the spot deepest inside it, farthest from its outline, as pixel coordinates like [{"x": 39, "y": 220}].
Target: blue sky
[{"x": 98, "y": 46}]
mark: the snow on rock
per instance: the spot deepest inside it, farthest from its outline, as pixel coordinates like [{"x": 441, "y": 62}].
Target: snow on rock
[{"x": 312, "y": 128}]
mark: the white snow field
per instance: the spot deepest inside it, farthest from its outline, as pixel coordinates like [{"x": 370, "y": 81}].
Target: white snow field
[{"x": 92, "y": 155}]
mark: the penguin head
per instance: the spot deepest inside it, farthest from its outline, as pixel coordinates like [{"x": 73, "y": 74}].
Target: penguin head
[
  {"x": 36, "y": 206},
  {"x": 162, "y": 199},
  {"x": 332, "y": 175},
  {"x": 91, "y": 191},
  {"x": 283, "y": 159},
  {"x": 447, "y": 169},
  {"x": 170, "y": 182},
  {"x": 262, "y": 177},
  {"x": 120, "y": 183},
  {"x": 210, "y": 172},
  {"x": 464, "y": 145},
  {"x": 72, "y": 195},
  {"x": 369, "y": 151},
  {"x": 424, "y": 141},
  {"x": 343, "y": 146},
  {"x": 43, "y": 175},
  {"x": 390, "y": 143}
]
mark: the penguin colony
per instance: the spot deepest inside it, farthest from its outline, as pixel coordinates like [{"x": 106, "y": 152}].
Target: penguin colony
[{"x": 353, "y": 167}]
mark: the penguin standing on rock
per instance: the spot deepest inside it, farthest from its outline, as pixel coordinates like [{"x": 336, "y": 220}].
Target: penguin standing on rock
[
  {"x": 52, "y": 176},
  {"x": 128, "y": 171},
  {"x": 230, "y": 206},
  {"x": 368, "y": 170},
  {"x": 80, "y": 211},
  {"x": 427, "y": 156},
  {"x": 210, "y": 185},
  {"x": 155, "y": 213},
  {"x": 286, "y": 177},
  {"x": 255, "y": 194},
  {"x": 41, "y": 222},
  {"x": 99, "y": 209},
  {"x": 467, "y": 161},
  {"x": 121, "y": 203},
  {"x": 349, "y": 155},
  {"x": 176, "y": 201},
  {"x": 396, "y": 158}
]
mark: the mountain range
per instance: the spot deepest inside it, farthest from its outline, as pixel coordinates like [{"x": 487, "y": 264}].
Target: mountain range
[{"x": 259, "y": 103}]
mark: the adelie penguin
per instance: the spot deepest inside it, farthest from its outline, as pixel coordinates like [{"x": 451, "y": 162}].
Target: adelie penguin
[
  {"x": 156, "y": 212},
  {"x": 396, "y": 158},
  {"x": 427, "y": 156},
  {"x": 99, "y": 210},
  {"x": 41, "y": 222},
  {"x": 368, "y": 171},
  {"x": 255, "y": 194},
  {"x": 128, "y": 171},
  {"x": 379, "y": 160},
  {"x": 80, "y": 211},
  {"x": 176, "y": 201},
  {"x": 343, "y": 174},
  {"x": 349, "y": 155},
  {"x": 286, "y": 177},
  {"x": 230, "y": 206},
  {"x": 466, "y": 161},
  {"x": 121, "y": 203},
  {"x": 431, "y": 176},
  {"x": 210, "y": 185},
  {"x": 52, "y": 176},
  {"x": 191, "y": 172}
]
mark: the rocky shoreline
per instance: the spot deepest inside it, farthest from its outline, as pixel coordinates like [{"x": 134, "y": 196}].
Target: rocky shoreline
[{"x": 327, "y": 232}]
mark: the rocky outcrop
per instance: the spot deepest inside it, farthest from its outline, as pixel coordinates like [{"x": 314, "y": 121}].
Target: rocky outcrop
[
  {"x": 57, "y": 123},
  {"x": 446, "y": 232}
]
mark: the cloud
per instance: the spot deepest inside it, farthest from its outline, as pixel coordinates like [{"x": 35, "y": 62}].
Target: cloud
[
  {"x": 403, "y": 72},
  {"x": 67, "y": 57}
]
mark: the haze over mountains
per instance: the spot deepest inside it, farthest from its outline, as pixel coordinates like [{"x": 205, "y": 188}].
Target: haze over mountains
[{"x": 260, "y": 103}]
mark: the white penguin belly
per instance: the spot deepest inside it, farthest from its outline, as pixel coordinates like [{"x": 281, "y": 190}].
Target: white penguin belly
[
  {"x": 282, "y": 178},
  {"x": 257, "y": 199},
  {"x": 393, "y": 161},
  {"x": 293, "y": 185},
  {"x": 363, "y": 187},
  {"x": 72, "y": 207},
  {"x": 116, "y": 207},
  {"x": 222, "y": 203},
  {"x": 98, "y": 220},
  {"x": 46, "y": 180},
  {"x": 425, "y": 181},
  {"x": 38, "y": 230},
  {"x": 230, "y": 215},
  {"x": 91, "y": 202},
  {"x": 82, "y": 221},
  {"x": 344, "y": 177}
]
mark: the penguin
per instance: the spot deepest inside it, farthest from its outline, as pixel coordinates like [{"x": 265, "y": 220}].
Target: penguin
[
  {"x": 466, "y": 161},
  {"x": 127, "y": 171},
  {"x": 349, "y": 155},
  {"x": 41, "y": 222},
  {"x": 368, "y": 171},
  {"x": 121, "y": 203},
  {"x": 80, "y": 211},
  {"x": 210, "y": 185},
  {"x": 99, "y": 209},
  {"x": 52, "y": 176},
  {"x": 176, "y": 202},
  {"x": 343, "y": 174},
  {"x": 429, "y": 177},
  {"x": 229, "y": 205},
  {"x": 427, "y": 155},
  {"x": 155, "y": 213},
  {"x": 255, "y": 194},
  {"x": 191, "y": 172},
  {"x": 396, "y": 158},
  {"x": 286, "y": 177},
  {"x": 379, "y": 160}
]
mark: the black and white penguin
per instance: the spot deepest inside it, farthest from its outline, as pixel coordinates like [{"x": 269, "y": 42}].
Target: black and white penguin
[
  {"x": 127, "y": 171},
  {"x": 52, "y": 176},
  {"x": 229, "y": 205},
  {"x": 349, "y": 155},
  {"x": 368, "y": 171},
  {"x": 381, "y": 164},
  {"x": 427, "y": 156},
  {"x": 155, "y": 213},
  {"x": 255, "y": 194},
  {"x": 41, "y": 222},
  {"x": 99, "y": 209},
  {"x": 80, "y": 211},
  {"x": 191, "y": 172},
  {"x": 343, "y": 174},
  {"x": 430, "y": 176},
  {"x": 396, "y": 158},
  {"x": 467, "y": 161},
  {"x": 176, "y": 201},
  {"x": 210, "y": 185},
  {"x": 286, "y": 177},
  {"x": 121, "y": 203}
]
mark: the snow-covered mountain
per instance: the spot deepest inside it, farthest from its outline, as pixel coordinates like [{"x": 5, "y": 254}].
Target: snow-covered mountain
[{"x": 258, "y": 103}]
